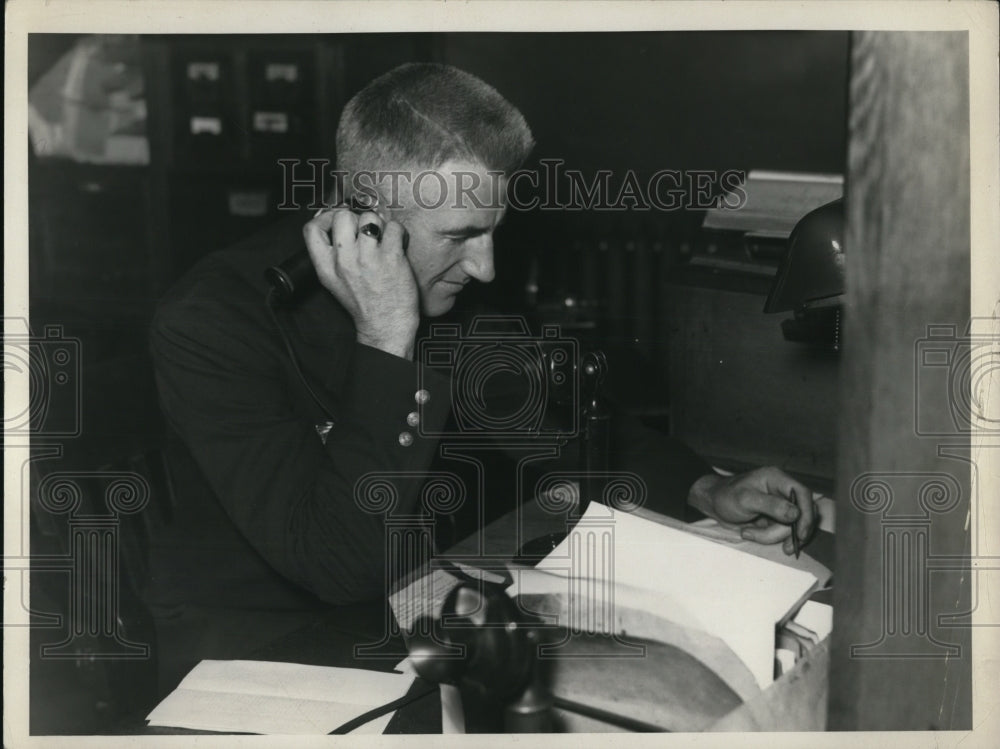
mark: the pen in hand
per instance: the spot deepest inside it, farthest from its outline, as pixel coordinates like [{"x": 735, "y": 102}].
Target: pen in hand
[{"x": 795, "y": 534}]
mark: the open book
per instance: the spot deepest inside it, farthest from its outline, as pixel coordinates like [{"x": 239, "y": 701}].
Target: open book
[
  {"x": 695, "y": 582},
  {"x": 279, "y": 698}
]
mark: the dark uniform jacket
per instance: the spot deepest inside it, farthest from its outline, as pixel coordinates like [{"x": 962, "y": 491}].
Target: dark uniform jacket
[{"x": 266, "y": 514}]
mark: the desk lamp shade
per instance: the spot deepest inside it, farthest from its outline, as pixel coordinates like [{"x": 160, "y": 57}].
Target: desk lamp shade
[{"x": 813, "y": 269}]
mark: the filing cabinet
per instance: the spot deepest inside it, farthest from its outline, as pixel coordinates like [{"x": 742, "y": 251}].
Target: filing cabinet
[
  {"x": 281, "y": 104},
  {"x": 225, "y": 110},
  {"x": 237, "y": 103},
  {"x": 206, "y": 116}
]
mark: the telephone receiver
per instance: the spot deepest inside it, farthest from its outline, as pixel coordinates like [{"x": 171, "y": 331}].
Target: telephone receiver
[{"x": 295, "y": 277}]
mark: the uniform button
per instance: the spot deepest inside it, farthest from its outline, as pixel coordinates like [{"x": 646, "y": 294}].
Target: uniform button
[
  {"x": 413, "y": 419},
  {"x": 405, "y": 439},
  {"x": 421, "y": 397}
]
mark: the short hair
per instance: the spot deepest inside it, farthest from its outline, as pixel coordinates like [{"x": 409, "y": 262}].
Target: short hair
[{"x": 420, "y": 115}]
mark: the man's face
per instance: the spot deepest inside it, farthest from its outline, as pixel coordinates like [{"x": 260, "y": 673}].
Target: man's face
[{"x": 451, "y": 233}]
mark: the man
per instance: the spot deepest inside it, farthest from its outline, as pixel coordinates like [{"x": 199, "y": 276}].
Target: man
[{"x": 284, "y": 410}]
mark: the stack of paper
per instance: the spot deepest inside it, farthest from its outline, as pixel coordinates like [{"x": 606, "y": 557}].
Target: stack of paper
[
  {"x": 277, "y": 698},
  {"x": 817, "y": 618},
  {"x": 738, "y": 597}
]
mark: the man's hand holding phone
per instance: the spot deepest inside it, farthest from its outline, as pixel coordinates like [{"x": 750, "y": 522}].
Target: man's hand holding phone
[{"x": 360, "y": 259}]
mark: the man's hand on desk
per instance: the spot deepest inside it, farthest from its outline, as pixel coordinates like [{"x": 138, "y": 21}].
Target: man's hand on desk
[{"x": 758, "y": 504}]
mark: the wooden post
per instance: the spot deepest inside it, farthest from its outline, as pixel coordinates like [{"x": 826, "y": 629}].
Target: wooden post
[{"x": 903, "y": 486}]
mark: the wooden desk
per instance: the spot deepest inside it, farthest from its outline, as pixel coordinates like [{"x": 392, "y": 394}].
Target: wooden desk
[{"x": 332, "y": 638}]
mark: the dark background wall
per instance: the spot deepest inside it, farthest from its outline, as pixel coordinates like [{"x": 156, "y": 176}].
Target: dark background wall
[
  {"x": 684, "y": 100},
  {"x": 698, "y": 354}
]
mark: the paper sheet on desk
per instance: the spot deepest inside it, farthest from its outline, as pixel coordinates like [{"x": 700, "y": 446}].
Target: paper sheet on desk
[
  {"x": 277, "y": 698},
  {"x": 711, "y": 529},
  {"x": 735, "y": 596}
]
